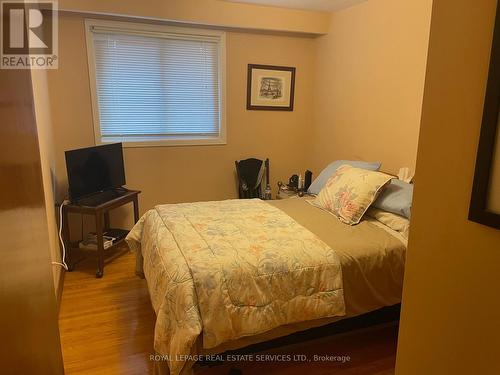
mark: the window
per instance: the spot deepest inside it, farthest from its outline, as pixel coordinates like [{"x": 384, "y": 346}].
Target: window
[{"x": 156, "y": 85}]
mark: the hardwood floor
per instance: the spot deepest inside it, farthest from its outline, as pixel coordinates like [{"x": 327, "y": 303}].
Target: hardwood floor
[
  {"x": 107, "y": 324},
  {"x": 107, "y": 327}
]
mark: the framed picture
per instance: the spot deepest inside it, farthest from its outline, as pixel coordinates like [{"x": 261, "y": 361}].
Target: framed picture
[
  {"x": 270, "y": 88},
  {"x": 485, "y": 199}
]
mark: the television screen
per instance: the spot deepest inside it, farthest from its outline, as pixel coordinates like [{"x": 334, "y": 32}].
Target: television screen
[{"x": 94, "y": 169}]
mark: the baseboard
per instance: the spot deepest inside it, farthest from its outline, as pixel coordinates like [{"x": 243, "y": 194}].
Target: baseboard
[{"x": 59, "y": 291}]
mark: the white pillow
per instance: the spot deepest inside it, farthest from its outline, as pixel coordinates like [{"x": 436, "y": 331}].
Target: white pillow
[{"x": 397, "y": 223}]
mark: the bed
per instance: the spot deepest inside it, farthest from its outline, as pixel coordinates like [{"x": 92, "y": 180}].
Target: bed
[{"x": 225, "y": 275}]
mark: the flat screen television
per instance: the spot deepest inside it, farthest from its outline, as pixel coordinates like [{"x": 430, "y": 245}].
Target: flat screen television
[{"x": 94, "y": 169}]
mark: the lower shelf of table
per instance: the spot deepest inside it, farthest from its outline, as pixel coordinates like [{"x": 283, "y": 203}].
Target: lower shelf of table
[{"x": 117, "y": 233}]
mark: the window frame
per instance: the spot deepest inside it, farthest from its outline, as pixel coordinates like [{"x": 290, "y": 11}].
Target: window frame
[{"x": 135, "y": 28}]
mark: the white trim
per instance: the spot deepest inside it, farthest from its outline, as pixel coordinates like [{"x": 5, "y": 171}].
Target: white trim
[
  {"x": 162, "y": 141},
  {"x": 96, "y": 25}
]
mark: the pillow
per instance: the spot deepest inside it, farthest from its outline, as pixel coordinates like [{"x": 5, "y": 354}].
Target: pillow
[
  {"x": 397, "y": 223},
  {"x": 396, "y": 198},
  {"x": 320, "y": 181},
  {"x": 350, "y": 191}
]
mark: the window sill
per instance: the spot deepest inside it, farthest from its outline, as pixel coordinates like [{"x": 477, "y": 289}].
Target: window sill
[{"x": 163, "y": 142}]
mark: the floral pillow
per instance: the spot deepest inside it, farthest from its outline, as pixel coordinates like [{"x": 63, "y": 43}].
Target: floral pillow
[{"x": 350, "y": 191}]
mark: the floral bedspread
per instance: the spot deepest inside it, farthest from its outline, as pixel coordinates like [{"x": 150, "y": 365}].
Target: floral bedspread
[{"x": 230, "y": 269}]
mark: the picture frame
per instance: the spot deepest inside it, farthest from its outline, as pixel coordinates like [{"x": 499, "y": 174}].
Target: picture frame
[
  {"x": 485, "y": 198},
  {"x": 270, "y": 87}
]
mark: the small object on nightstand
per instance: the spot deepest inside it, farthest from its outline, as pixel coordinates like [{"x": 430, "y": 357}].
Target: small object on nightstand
[
  {"x": 301, "y": 193},
  {"x": 267, "y": 193},
  {"x": 284, "y": 192},
  {"x": 293, "y": 182},
  {"x": 307, "y": 179},
  {"x": 267, "y": 190},
  {"x": 280, "y": 186}
]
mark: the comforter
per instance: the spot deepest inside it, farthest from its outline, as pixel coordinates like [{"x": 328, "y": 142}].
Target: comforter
[{"x": 231, "y": 269}]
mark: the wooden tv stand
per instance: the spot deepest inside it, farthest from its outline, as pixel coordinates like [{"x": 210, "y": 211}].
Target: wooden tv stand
[{"x": 101, "y": 215}]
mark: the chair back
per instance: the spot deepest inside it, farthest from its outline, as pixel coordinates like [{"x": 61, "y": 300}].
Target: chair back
[{"x": 250, "y": 174}]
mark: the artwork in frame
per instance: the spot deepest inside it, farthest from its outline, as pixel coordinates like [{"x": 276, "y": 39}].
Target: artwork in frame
[
  {"x": 270, "y": 87},
  {"x": 485, "y": 200}
]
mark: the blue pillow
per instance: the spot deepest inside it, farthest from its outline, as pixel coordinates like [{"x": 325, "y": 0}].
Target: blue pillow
[
  {"x": 328, "y": 172},
  {"x": 396, "y": 198}
]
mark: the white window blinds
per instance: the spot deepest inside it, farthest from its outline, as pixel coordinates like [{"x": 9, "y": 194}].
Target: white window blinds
[{"x": 154, "y": 86}]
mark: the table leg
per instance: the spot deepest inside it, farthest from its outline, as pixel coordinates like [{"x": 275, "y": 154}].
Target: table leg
[
  {"x": 106, "y": 221},
  {"x": 100, "y": 244},
  {"x": 136, "y": 209}
]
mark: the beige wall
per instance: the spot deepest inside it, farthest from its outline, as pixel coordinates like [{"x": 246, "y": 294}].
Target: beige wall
[
  {"x": 45, "y": 139},
  {"x": 450, "y": 318},
  {"x": 370, "y": 72},
  {"x": 358, "y": 95},
  {"x": 177, "y": 174},
  {"x": 209, "y": 12}
]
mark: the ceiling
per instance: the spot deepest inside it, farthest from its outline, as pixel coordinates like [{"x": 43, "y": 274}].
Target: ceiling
[{"x": 322, "y": 5}]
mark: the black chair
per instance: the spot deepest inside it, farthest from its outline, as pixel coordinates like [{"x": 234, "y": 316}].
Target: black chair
[{"x": 250, "y": 174}]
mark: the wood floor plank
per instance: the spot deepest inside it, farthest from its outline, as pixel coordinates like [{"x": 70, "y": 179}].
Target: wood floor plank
[{"x": 107, "y": 327}]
